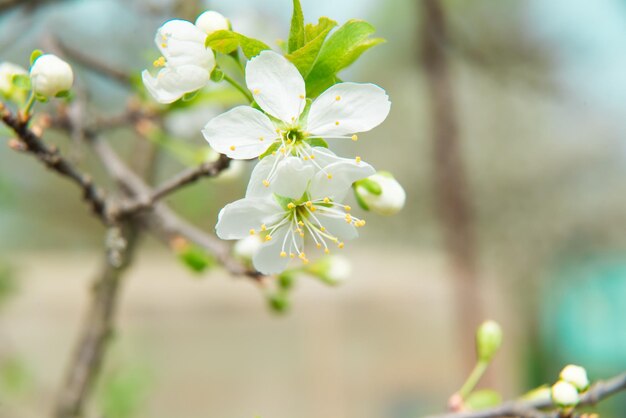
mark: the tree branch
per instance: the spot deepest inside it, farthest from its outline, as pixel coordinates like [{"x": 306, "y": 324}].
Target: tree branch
[{"x": 529, "y": 408}]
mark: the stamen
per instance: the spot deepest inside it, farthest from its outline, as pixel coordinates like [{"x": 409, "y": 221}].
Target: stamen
[
  {"x": 256, "y": 91},
  {"x": 263, "y": 227},
  {"x": 159, "y": 62},
  {"x": 252, "y": 232},
  {"x": 337, "y": 123},
  {"x": 358, "y": 159},
  {"x": 355, "y": 137},
  {"x": 340, "y": 245},
  {"x": 232, "y": 147},
  {"x": 268, "y": 238},
  {"x": 338, "y": 98},
  {"x": 266, "y": 183},
  {"x": 347, "y": 208},
  {"x": 283, "y": 254},
  {"x": 301, "y": 96},
  {"x": 291, "y": 205},
  {"x": 326, "y": 200}
]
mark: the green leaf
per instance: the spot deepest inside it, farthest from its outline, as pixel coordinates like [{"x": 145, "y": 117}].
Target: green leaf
[
  {"x": 360, "y": 201},
  {"x": 296, "y": 33},
  {"x": 270, "y": 150},
  {"x": 62, "y": 94},
  {"x": 34, "y": 55},
  {"x": 304, "y": 57},
  {"x": 226, "y": 41},
  {"x": 187, "y": 97},
  {"x": 41, "y": 98},
  {"x": 196, "y": 259},
  {"x": 341, "y": 49},
  {"x": 370, "y": 185},
  {"x": 21, "y": 81},
  {"x": 485, "y": 398},
  {"x": 317, "y": 142}
]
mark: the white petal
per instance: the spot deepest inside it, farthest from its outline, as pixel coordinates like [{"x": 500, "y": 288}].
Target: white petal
[
  {"x": 347, "y": 108},
  {"x": 276, "y": 85},
  {"x": 267, "y": 259},
  {"x": 337, "y": 178},
  {"x": 238, "y": 132},
  {"x": 292, "y": 177},
  {"x": 171, "y": 83},
  {"x": 261, "y": 172},
  {"x": 182, "y": 43},
  {"x": 236, "y": 219},
  {"x": 338, "y": 227}
]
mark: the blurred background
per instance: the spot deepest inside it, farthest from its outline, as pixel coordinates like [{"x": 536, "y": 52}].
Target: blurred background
[{"x": 507, "y": 131}]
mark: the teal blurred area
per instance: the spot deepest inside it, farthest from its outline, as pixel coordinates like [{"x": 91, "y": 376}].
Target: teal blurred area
[{"x": 540, "y": 96}]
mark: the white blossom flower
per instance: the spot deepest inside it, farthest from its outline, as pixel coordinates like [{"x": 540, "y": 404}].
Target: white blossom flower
[
  {"x": 51, "y": 75},
  {"x": 306, "y": 204},
  {"x": 186, "y": 63},
  {"x": 391, "y": 198},
  {"x": 7, "y": 89},
  {"x": 212, "y": 21},
  {"x": 278, "y": 88},
  {"x": 575, "y": 375},
  {"x": 564, "y": 394}
]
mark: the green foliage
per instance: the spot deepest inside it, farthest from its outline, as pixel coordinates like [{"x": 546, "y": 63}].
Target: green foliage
[
  {"x": 63, "y": 94},
  {"x": 196, "y": 259},
  {"x": 341, "y": 49},
  {"x": 15, "y": 378},
  {"x": 226, "y": 41},
  {"x": 296, "y": 33},
  {"x": 34, "y": 55},
  {"x": 123, "y": 393},
  {"x": 21, "y": 81},
  {"x": 314, "y": 36},
  {"x": 278, "y": 302},
  {"x": 484, "y": 398}
]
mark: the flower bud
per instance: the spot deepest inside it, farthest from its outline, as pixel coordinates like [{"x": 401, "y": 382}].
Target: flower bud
[
  {"x": 335, "y": 269},
  {"x": 575, "y": 375},
  {"x": 564, "y": 394},
  {"x": 7, "y": 88},
  {"x": 51, "y": 75},
  {"x": 381, "y": 193},
  {"x": 246, "y": 248},
  {"x": 211, "y": 21},
  {"x": 488, "y": 340}
]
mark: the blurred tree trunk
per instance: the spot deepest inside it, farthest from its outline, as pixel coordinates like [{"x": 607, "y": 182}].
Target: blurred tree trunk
[{"x": 450, "y": 180}]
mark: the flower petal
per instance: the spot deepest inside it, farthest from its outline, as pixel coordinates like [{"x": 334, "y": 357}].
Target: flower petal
[
  {"x": 267, "y": 259},
  {"x": 261, "y": 172},
  {"x": 335, "y": 180},
  {"x": 347, "y": 108},
  {"x": 182, "y": 43},
  {"x": 171, "y": 83},
  {"x": 236, "y": 219},
  {"x": 338, "y": 226},
  {"x": 292, "y": 177},
  {"x": 240, "y": 133},
  {"x": 277, "y": 86}
]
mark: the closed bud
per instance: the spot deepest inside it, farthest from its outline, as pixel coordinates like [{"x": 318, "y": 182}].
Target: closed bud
[
  {"x": 7, "y": 88},
  {"x": 211, "y": 21},
  {"x": 334, "y": 269},
  {"x": 246, "y": 248},
  {"x": 488, "y": 340},
  {"x": 50, "y": 76},
  {"x": 564, "y": 394},
  {"x": 575, "y": 375},
  {"x": 381, "y": 193}
]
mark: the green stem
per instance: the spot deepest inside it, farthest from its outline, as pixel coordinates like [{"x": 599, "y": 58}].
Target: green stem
[
  {"x": 29, "y": 103},
  {"x": 473, "y": 378},
  {"x": 239, "y": 87}
]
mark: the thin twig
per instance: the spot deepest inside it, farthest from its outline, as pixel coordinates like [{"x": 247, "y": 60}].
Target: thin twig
[
  {"x": 52, "y": 159},
  {"x": 529, "y": 408}
]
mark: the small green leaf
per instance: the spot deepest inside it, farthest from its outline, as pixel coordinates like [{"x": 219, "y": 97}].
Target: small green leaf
[
  {"x": 316, "y": 142},
  {"x": 481, "y": 399},
  {"x": 41, "y": 98},
  {"x": 21, "y": 81},
  {"x": 217, "y": 75},
  {"x": 370, "y": 185},
  {"x": 270, "y": 150},
  {"x": 286, "y": 280},
  {"x": 278, "y": 302},
  {"x": 304, "y": 57},
  {"x": 62, "y": 94},
  {"x": 34, "y": 55},
  {"x": 283, "y": 201},
  {"x": 187, "y": 97},
  {"x": 226, "y": 41},
  {"x": 340, "y": 50},
  {"x": 196, "y": 259},
  {"x": 296, "y": 33},
  {"x": 360, "y": 201}
]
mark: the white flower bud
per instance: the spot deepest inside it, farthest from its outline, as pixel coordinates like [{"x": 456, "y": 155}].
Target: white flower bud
[
  {"x": 7, "y": 89},
  {"x": 339, "y": 269},
  {"x": 575, "y": 375},
  {"x": 246, "y": 248},
  {"x": 391, "y": 198},
  {"x": 51, "y": 75},
  {"x": 211, "y": 21},
  {"x": 564, "y": 394}
]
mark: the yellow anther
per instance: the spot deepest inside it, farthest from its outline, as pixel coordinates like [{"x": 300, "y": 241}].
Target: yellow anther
[
  {"x": 348, "y": 218},
  {"x": 293, "y": 118},
  {"x": 252, "y": 231},
  {"x": 309, "y": 204},
  {"x": 340, "y": 245},
  {"x": 337, "y": 123},
  {"x": 302, "y": 234},
  {"x": 298, "y": 230},
  {"x": 318, "y": 245},
  {"x": 326, "y": 251},
  {"x": 273, "y": 152},
  {"x": 322, "y": 229},
  {"x": 283, "y": 254},
  {"x": 347, "y": 208},
  {"x": 329, "y": 176},
  {"x": 268, "y": 238},
  {"x": 302, "y": 256},
  {"x": 338, "y": 98},
  {"x": 301, "y": 96},
  {"x": 291, "y": 205},
  {"x": 300, "y": 223},
  {"x": 312, "y": 156},
  {"x": 160, "y": 62},
  {"x": 232, "y": 147},
  {"x": 358, "y": 159},
  {"x": 289, "y": 141},
  {"x": 256, "y": 91},
  {"x": 305, "y": 260},
  {"x": 292, "y": 255},
  {"x": 326, "y": 200},
  {"x": 277, "y": 131},
  {"x": 282, "y": 150},
  {"x": 305, "y": 158},
  {"x": 261, "y": 139},
  {"x": 163, "y": 45},
  {"x": 312, "y": 208},
  {"x": 266, "y": 183},
  {"x": 355, "y": 137},
  {"x": 263, "y": 227}
]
